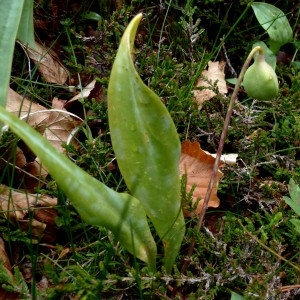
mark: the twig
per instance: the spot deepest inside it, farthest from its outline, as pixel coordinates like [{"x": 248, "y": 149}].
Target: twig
[
  {"x": 232, "y": 70},
  {"x": 219, "y": 153}
]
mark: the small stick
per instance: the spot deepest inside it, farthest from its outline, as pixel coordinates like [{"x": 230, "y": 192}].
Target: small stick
[
  {"x": 232, "y": 70},
  {"x": 219, "y": 153}
]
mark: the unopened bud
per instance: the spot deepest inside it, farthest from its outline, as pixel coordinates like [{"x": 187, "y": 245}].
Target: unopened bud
[{"x": 260, "y": 80}]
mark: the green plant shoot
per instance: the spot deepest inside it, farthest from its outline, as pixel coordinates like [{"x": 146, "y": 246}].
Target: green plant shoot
[
  {"x": 260, "y": 81},
  {"x": 96, "y": 203},
  {"x": 147, "y": 146},
  {"x": 16, "y": 21},
  {"x": 294, "y": 202}
]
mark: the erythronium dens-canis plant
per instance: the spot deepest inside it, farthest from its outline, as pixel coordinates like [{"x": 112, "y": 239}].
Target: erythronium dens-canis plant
[{"x": 147, "y": 148}]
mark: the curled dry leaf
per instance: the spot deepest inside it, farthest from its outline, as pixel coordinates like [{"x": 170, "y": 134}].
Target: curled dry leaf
[
  {"x": 85, "y": 91},
  {"x": 197, "y": 166},
  {"x": 93, "y": 90},
  {"x": 213, "y": 75},
  {"x": 56, "y": 126},
  {"x": 48, "y": 63},
  {"x": 16, "y": 206}
]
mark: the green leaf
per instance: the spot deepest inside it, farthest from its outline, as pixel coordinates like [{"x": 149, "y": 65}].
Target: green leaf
[
  {"x": 16, "y": 20},
  {"x": 26, "y": 30},
  {"x": 294, "y": 200},
  {"x": 296, "y": 223},
  {"x": 10, "y": 16},
  {"x": 274, "y": 21},
  {"x": 235, "y": 296},
  {"x": 96, "y": 203},
  {"x": 147, "y": 146}
]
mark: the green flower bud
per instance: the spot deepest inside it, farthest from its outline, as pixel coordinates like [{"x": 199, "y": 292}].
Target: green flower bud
[{"x": 260, "y": 80}]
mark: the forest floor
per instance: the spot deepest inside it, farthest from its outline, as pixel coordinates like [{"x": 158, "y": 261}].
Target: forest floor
[{"x": 247, "y": 244}]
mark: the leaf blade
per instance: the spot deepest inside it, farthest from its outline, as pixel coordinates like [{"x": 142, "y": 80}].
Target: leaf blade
[
  {"x": 294, "y": 200},
  {"x": 10, "y": 16},
  {"x": 147, "y": 146},
  {"x": 274, "y": 21},
  {"x": 122, "y": 214},
  {"x": 25, "y": 29}
]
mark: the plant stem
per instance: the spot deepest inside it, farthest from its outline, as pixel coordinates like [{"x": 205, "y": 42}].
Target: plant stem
[{"x": 219, "y": 153}]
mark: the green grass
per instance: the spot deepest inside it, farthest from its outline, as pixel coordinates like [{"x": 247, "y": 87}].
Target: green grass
[{"x": 87, "y": 262}]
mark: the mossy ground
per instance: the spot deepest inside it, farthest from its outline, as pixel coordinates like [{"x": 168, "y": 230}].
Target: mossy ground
[{"x": 174, "y": 43}]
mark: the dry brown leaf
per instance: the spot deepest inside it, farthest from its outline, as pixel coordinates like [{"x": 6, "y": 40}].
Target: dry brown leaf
[
  {"x": 17, "y": 161},
  {"x": 48, "y": 63},
  {"x": 20, "y": 158},
  {"x": 60, "y": 124},
  {"x": 4, "y": 260},
  {"x": 215, "y": 72},
  {"x": 197, "y": 165},
  {"x": 19, "y": 105},
  {"x": 58, "y": 103},
  {"x": 16, "y": 206},
  {"x": 55, "y": 125},
  {"x": 34, "y": 174}
]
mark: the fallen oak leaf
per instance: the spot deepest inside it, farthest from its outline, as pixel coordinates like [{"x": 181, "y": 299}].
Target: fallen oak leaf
[
  {"x": 214, "y": 74},
  {"x": 56, "y": 126},
  {"x": 197, "y": 165}
]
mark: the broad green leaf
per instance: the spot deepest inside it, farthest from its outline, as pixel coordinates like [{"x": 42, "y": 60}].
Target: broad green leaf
[
  {"x": 270, "y": 56},
  {"x": 26, "y": 30},
  {"x": 10, "y": 16},
  {"x": 296, "y": 223},
  {"x": 147, "y": 146},
  {"x": 294, "y": 200},
  {"x": 274, "y": 21},
  {"x": 96, "y": 203},
  {"x": 235, "y": 296}
]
